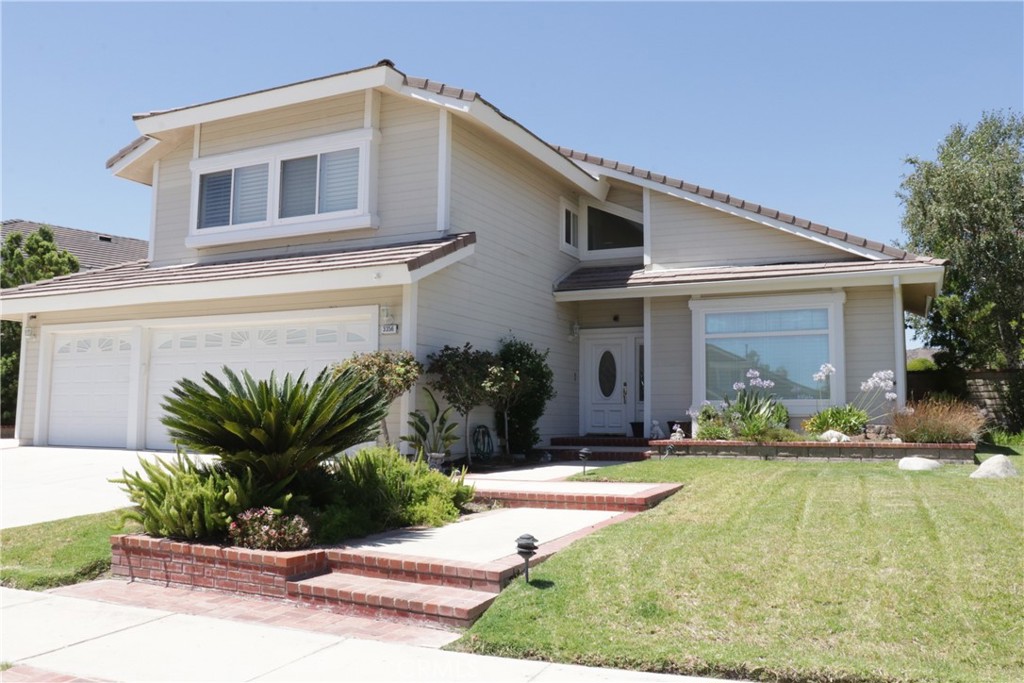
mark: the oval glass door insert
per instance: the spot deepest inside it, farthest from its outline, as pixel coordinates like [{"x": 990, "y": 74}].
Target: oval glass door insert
[{"x": 606, "y": 373}]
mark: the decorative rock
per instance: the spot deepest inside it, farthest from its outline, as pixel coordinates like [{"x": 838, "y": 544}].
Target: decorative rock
[
  {"x": 832, "y": 436},
  {"x": 897, "y": 439},
  {"x": 918, "y": 464},
  {"x": 996, "y": 467}
]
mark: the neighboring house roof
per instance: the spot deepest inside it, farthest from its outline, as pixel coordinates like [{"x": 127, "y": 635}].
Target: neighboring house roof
[
  {"x": 405, "y": 261},
  {"x": 92, "y": 249}
]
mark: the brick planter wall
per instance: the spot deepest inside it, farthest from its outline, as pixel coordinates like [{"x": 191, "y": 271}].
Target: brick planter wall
[
  {"x": 819, "y": 450},
  {"x": 238, "y": 570}
]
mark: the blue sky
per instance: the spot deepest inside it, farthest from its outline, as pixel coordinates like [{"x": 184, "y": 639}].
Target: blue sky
[{"x": 809, "y": 108}]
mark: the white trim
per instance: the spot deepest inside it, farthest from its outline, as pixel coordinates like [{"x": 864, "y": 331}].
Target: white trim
[
  {"x": 648, "y": 368},
  {"x": 297, "y": 93},
  {"x": 444, "y": 169},
  {"x": 19, "y": 410},
  {"x": 648, "y": 258},
  {"x": 587, "y": 254},
  {"x": 272, "y": 227},
  {"x": 41, "y": 437},
  {"x": 134, "y": 155},
  {"x": 740, "y": 213},
  {"x": 899, "y": 334},
  {"x": 371, "y": 109},
  {"x": 832, "y": 301},
  {"x": 153, "y": 206},
  {"x": 410, "y": 310},
  {"x": 442, "y": 263},
  {"x": 925, "y": 274},
  {"x": 197, "y": 141},
  {"x": 138, "y": 376},
  {"x": 563, "y": 206}
]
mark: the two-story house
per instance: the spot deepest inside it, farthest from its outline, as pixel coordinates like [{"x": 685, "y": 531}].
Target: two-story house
[{"x": 366, "y": 210}]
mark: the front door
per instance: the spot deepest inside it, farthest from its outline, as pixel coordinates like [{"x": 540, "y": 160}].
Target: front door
[{"x": 611, "y": 388}]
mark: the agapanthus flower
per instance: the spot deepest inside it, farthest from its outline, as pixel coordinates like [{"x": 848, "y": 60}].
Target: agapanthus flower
[
  {"x": 739, "y": 386},
  {"x": 752, "y": 373},
  {"x": 824, "y": 372},
  {"x": 890, "y": 396}
]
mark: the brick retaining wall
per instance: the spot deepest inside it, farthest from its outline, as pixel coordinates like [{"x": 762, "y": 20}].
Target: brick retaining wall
[{"x": 819, "y": 450}]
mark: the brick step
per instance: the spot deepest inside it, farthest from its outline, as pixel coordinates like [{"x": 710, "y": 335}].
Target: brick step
[
  {"x": 631, "y": 454},
  {"x": 488, "y": 577},
  {"x": 591, "y": 441},
  {"x": 571, "y": 497},
  {"x": 378, "y": 597}
]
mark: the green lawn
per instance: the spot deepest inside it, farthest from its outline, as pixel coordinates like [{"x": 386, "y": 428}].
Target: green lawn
[
  {"x": 786, "y": 571},
  {"x": 59, "y": 553}
]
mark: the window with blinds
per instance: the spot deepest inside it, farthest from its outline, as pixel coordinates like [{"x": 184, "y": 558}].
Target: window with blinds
[
  {"x": 233, "y": 197},
  {"x": 322, "y": 183}
]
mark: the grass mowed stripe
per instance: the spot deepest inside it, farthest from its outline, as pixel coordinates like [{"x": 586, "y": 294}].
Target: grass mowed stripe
[
  {"x": 786, "y": 571},
  {"x": 59, "y": 553}
]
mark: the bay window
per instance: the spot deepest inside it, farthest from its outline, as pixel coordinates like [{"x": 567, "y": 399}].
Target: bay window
[
  {"x": 785, "y": 338},
  {"x": 313, "y": 185}
]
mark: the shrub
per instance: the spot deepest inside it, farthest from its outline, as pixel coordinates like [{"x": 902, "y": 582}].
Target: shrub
[
  {"x": 274, "y": 428},
  {"x": 395, "y": 373},
  {"x": 537, "y": 388},
  {"x": 848, "y": 419},
  {"x": 459, "y": 374},
  {"x": 182, "y": 499},
  {"x": 932, "y": 421},
  {"x": 431, "y": 430},
  {"x": 714, "y": 431},
  {"x": 921, "y": 365},
  {"x": 266, "y": 529},
  {"x": 378, "y": 489},
  {"x": 754, "y": 410}
]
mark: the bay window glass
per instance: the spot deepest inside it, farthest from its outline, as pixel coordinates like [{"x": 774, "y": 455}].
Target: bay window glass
[{"x": 785, "y": 346}]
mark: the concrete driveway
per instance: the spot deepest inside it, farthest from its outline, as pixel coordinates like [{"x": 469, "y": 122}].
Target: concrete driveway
[{"x": 40, "y": 484}]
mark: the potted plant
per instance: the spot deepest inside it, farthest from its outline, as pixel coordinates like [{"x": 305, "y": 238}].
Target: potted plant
[{"x": 433, "y": 432}]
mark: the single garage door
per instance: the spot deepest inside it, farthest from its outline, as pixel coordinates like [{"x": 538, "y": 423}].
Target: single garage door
[
  {"x": 89, "y": 390},
  {"x": 283, "y": 347}
]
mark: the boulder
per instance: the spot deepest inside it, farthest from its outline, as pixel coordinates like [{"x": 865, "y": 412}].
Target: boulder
[
  {"x": 833, "y": 436},
  {"x": 996, "y": 467},
  {"x": 916, "y": 463}
]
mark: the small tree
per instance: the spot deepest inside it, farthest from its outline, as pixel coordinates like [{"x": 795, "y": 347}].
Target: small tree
[
  {"x": 24, "y": 260},
  {"x": 536, "y": 388},
  {"x": 459, "y": 374},
  {"x": 504, "y": 389},
  {"x": 395, "y": 373}
]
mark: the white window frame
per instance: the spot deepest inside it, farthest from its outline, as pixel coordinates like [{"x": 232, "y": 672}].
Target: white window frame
[
  {"x": 563, "y": 206},
  {"x": 831, "y": 301},
  {"x": 363, "y": 216},
  {"x": 587, "y": 254}
]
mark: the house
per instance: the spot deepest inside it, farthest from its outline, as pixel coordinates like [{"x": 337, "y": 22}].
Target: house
[
  {"x": 369, "y": 209},
  {"x": 92, "y": 249}
]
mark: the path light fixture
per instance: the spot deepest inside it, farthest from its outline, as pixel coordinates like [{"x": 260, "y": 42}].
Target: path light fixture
[
  {"x": 526, "y": 546},
  {"x": 584, "y": 456}
]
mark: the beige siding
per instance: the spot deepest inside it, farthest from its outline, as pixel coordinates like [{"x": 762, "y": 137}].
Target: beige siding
[
  {"x": 506, "y": 287},
  {"x": 671, "y": 379},
  {"x": 27, "y": 385},
  {"x": 870, "y": 335},
  {"x": 629, "y": 196},
  {"x": 613, "y": 313},
  {"x": 285, "y": 124},
  {"x": 684, "y": 234},
  {"x": 406, "y": 178},
  {"x": 127, "y": 316}
]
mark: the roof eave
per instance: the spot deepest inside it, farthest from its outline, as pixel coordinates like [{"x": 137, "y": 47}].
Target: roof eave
[{"x": 923, "y": 274}]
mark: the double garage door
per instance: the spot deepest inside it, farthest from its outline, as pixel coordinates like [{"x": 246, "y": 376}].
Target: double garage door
[{"x": 93, "y": 373}]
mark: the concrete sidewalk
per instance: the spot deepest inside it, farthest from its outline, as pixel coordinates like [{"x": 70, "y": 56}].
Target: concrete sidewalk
[{"x": 48, "y": 636}]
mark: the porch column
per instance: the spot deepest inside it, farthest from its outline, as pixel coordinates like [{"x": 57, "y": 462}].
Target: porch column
[{"x": 648, "y": 376}]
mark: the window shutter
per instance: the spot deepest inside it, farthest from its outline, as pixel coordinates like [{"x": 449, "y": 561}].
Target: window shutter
[
  {"x": 214, "y": 199},
  {"x": 249, "y": 201},
  {"x": 298, "y": 187},
  {"x": 339, "y": 180}
]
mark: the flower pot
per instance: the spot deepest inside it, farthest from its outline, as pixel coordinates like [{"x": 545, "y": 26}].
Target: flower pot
[{"x": 638, "y": 429}]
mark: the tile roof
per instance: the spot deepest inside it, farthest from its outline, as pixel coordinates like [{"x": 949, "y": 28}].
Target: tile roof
[
  {"x": 92, "y": 249},
  {"x": 141, "y": 274},
  {"x": 630, "y": 276},
  {"x": 675, "y": 183}
]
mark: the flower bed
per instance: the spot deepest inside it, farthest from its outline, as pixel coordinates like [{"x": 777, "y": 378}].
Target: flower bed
[{"x": 818, "y": 450}]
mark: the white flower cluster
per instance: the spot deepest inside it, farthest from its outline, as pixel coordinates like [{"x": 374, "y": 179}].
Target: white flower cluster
[
  {"x": 826, "y": 371},
  {"x": 881, "y": 381},
  {"x": 755, "y": 381}
]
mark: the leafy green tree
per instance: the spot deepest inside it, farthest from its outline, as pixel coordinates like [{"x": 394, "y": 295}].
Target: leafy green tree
[
  {"x": 24, "y": 260},
  {"x": 395, "y": 373},
  {"x": 968, "y": 206},
  {"x": 459, "y": 374},
  {"x": 532, "y": 392}
]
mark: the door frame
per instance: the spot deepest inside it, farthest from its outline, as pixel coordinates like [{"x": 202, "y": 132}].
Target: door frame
[{"x": 633, "y": 338}]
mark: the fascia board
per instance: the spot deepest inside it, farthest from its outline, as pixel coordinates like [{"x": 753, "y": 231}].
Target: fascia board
[
  {"x": 443, "y": 262},
  {"x": 273, "y": 285},
  {"x": 140, "y": 151},
  {"x": 150, "y": 124},
  {"x": 736, "y": 211},
  {"x": 925, "y": 275}
]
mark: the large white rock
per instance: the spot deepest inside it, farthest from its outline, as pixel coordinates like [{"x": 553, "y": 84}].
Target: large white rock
[
  {"x": 833, "y": 436},
  {"x": 996, "y": 467},
  {"x": 916, "y": 463}
]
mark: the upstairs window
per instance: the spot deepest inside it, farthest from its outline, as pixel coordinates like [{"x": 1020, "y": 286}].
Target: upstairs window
[
  {"x": 308, "y": 186},
  {"x": 570, "y": 228},
  {"x": 607, "y": 230},
  {"x": 602, "y": 230}
]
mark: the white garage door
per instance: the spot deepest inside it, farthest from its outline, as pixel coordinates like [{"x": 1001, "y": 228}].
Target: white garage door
[
  {"x": 89, "y": 390},
  {"x": 259, "y": 348}
]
